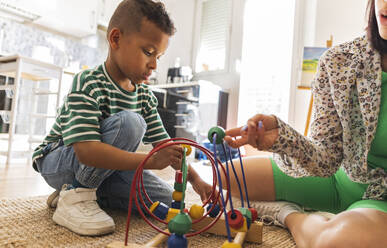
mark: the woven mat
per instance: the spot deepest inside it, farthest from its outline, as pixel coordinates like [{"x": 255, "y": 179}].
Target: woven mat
[{"x": 27, "y": 222}]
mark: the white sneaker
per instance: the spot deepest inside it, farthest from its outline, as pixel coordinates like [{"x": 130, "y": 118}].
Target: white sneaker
[
  {"x": 52, "y": 200},
  {"x": 272, "y": 213},
  {"x": 78, "y": 210}
]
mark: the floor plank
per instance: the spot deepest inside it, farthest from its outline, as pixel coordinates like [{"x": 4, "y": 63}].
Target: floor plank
[{"x": 21, "y": 181}]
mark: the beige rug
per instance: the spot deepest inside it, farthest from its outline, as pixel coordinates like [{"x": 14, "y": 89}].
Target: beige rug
[{"x": 27, "y": 222}]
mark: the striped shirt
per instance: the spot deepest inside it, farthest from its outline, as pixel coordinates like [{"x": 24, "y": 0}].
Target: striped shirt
[{"x": 94, "y": 96}]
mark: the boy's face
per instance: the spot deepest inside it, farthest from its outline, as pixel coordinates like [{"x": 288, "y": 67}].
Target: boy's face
[{"x": 137, "y": 53}]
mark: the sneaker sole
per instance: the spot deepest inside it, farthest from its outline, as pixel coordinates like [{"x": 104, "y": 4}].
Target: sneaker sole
[{"x": 61, "y": 220}]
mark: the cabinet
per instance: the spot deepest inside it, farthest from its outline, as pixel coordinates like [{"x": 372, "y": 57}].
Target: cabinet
[
  {"x": 31, "y": 91},
  {"x": 73, "y": 17},
  {"x": 190, "y": 109}
]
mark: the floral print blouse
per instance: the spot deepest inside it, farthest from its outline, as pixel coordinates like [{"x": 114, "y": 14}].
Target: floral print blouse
[{"x": 346, "y": 92}]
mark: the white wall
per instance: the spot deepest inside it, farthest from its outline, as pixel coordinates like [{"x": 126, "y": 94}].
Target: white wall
[
  {"x": 343, "y": 19},
  {"x": 182, "y": 12}
]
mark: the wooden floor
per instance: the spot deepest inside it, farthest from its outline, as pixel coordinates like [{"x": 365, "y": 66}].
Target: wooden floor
[{"x": 20, "y": 180}]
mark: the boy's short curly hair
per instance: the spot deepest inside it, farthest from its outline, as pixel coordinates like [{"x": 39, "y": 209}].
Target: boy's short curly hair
[{"x": 128, "y": 16}]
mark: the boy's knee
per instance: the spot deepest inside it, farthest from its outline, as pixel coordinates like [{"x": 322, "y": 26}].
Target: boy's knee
[
  {"x": 132, "y": 124},
  {"x": 124, "y": 130}
]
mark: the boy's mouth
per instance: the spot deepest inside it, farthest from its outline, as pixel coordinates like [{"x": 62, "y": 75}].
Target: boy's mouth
[{"x": 147, "y": 75}]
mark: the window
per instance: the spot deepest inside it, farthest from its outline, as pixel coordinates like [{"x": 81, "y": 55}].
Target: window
[
  {"x": 214, "y": 33},
  {"x": 267, "y": 56}
]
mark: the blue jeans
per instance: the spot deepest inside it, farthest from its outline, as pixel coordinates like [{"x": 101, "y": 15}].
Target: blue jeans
[{"x": 123, "y": 130}]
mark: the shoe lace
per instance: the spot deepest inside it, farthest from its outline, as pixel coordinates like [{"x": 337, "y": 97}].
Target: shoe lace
[{"x": 90, "y": 207}]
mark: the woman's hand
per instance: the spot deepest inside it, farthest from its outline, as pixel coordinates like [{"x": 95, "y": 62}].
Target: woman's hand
[{"x": 260, "y": 132}]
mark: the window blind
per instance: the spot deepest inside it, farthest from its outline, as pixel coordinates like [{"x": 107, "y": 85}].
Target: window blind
[{"x": 214, "y": 32}]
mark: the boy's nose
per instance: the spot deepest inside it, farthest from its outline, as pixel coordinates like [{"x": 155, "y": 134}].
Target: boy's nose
[{"x": 152, "y": 64}]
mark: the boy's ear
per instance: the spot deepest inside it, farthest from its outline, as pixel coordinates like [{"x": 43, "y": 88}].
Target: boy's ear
[{"x": 114, "y": 37}]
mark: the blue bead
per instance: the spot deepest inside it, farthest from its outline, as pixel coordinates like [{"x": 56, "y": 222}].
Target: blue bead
[
  {"x": 177, "y": 241},
  {"x": 161, "y": 211},
  {"x": 176, "y": 204},
  {"x": 215, "y": 211}
]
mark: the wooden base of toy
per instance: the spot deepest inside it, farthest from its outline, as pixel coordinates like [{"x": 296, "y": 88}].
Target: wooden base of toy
[
  {"x": 157, "y": 240},
  {"x": 254, "y": 234}
]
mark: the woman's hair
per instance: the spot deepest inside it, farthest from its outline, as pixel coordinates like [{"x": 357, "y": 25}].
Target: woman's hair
[
  {"x": 128, "y": 16},
  {"x": 377, "y": 42}
]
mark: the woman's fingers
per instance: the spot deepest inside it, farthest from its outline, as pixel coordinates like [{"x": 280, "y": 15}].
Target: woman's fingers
[
  {"x": 252, "y": 133},
  {"x": 235, "y": 143},
  {"x": 234, "y": 132}
]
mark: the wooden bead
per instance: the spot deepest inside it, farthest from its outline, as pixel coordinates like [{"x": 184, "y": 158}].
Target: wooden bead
[
  {"x": 214, "y": 211},
  {"x": 254, "y": 214},
  {"x": 176, "y": 204},
  {"x": 220, "y": 133},
  {"x": 188, "y": 149},
  {"x": 160, "y": 210},
  {"x": 247, "y": 214},
  {"x": 196, "y": 211},
  {"x": 178, "y": 187},
  {"x": 177, "y": 241},
  {"x": 243, "y": 228},
  {"x": 180, "y": 224},
  {"x": 235, "y": 219},
  {"x": 154, "y": 206},
  {"x": 172, "y": 212},
  {"x": 179, "y": 176},
  {"x": 177, "y": 196}
]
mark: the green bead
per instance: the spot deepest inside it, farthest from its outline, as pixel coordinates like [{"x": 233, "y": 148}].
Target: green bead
[
  {"x": 220, "y": 133},
  {"x": 180, "y": 224},
  {"x": 178, "y": 187},
  {"x": 246, "y": 213}
]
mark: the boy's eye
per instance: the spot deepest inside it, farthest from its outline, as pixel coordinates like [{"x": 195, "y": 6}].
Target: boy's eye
[{"x": 147, "y": 53}]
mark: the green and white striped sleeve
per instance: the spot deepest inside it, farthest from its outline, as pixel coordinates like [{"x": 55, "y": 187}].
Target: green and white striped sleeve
[
  {"x": 155, "y": 129},
  {"x": 80, "y": 119}
]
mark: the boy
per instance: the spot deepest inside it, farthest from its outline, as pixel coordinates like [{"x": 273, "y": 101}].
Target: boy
[{"x": 89, "y": 153}]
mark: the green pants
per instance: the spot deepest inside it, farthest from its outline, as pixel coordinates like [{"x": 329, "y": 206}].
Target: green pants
[{"x": 332, "y": 194}]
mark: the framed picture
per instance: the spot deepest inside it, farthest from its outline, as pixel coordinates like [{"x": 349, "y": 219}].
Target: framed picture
[{"x": 310, "y": 63}]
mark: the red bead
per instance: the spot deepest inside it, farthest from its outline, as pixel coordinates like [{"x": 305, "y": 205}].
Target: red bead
[
  {"x": 179, "y": 176},
  {"x": 235, "y": 219},
  {"x": 254, "y": 214}
]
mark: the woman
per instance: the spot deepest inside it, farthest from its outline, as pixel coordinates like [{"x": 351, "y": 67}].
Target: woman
[{"x": 342, "y": 166}]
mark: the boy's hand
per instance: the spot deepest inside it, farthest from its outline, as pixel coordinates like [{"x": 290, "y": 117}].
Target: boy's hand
[
  {"x": 202, "y": 188},
  {"x": 260, "y": 132},
  {"x": 171, "y": 155}
]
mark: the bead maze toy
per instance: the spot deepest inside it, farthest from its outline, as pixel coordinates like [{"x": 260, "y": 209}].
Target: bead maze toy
[{"x": 182, "y": 223}]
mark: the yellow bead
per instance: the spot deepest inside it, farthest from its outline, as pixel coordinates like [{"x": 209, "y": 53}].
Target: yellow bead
[
  {"x": 154, "y": 206},
  {"x": 177, "y": 196},
  {"x": 189, "y": 149},
  {"x": 231, "y": 245},
  {"x": 172, "y": 212},
  {"x": 196, "y": 211},
  {"x": 242, "y": 229}
]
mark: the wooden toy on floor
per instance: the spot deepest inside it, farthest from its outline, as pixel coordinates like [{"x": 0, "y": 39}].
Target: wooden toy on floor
[{"x": 183, "y": 223}]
